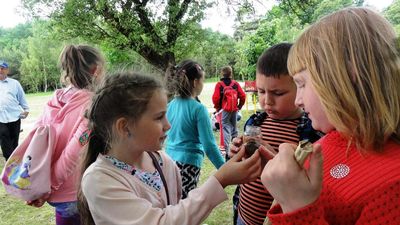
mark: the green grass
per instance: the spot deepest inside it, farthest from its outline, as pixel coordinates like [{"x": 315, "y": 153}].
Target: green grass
[{"x": 14, "y": 211}]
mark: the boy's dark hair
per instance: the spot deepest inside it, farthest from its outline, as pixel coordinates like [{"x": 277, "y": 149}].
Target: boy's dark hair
[
  {"x": 273, "y": 61},
  {"x": 226, "y": 72},
  {"x": 180, "y": 78}
]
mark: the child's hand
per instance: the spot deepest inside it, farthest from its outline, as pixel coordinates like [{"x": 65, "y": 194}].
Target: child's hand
[
  {"x": 39, "y": 202},
  {"x": 266, "y": 152},
  {"x": 291, "y": 185},
  {"x": 238, "y": 171},
  {"x": 235, "y": 145}
]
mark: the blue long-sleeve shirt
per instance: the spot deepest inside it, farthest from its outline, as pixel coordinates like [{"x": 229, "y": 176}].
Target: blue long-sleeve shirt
[
  {"x": 12, "y": 100},
  {"x": 191, "y": 134}
]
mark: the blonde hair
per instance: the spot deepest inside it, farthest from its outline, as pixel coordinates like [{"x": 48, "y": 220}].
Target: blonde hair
[{"x": 355, "y": 68}]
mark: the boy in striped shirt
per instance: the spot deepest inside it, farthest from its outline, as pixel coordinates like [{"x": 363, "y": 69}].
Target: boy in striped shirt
[{"x": 279, "y": 124}]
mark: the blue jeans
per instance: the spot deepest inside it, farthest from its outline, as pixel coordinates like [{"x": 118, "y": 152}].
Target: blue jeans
[
  {"x": 229, "y": 128},
  {"x": 66, "y": 213}
]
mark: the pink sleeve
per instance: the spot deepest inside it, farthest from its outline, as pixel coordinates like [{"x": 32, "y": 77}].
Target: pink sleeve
[
  {"x": 67, "y": 163},
  {"x": 113, "y": 201}
]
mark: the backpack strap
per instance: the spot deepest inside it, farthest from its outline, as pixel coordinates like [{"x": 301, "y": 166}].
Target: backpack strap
[{"x": 155, "y": 162}]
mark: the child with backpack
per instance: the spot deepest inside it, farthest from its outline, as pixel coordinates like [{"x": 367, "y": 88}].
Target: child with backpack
[
  {"x": 229, "y": 97},
  {"x": 82, "y": 67}
]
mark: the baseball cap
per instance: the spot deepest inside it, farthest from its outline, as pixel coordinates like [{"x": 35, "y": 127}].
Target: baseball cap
[{"x": 3, "y": 64}]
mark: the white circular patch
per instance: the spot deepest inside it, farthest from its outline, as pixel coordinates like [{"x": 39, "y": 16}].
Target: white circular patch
[{"x": 339, "y": 171}]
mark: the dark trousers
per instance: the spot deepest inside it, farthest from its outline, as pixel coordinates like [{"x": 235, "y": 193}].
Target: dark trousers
[
  {"x": 9, "y": 135},
  {"x": 235, "y": 201}
]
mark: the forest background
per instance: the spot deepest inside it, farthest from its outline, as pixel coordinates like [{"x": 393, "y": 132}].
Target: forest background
[{"x": 149, "y": 35}]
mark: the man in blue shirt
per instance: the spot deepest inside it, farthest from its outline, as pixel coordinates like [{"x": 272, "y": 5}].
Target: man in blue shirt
[{"x": 13, "y": 108}]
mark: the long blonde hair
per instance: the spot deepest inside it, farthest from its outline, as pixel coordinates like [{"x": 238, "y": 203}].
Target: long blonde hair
[{"x": 355, "y": 68}]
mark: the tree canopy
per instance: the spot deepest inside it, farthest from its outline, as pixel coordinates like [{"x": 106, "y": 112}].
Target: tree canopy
[{"x": 147, "y": 36}]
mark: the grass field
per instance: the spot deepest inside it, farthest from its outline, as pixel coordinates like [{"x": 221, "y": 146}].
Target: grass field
[{"x": 15, "y": 212}]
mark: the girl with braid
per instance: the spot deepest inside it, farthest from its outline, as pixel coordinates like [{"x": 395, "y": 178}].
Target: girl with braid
[
  {"x": 126, "y": 179},
  {"x": 191, "y": 136},
  {"x": 82, "y": 66}
]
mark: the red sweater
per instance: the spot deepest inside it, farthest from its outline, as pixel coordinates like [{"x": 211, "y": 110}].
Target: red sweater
[{"x": 369, "y": 194}]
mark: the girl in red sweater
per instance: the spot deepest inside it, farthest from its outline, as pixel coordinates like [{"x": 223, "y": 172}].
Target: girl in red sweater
[{"x": 347, "y": 71}]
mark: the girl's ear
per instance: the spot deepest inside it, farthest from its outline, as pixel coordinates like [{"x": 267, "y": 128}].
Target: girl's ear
[{"x": 121, "y": 127}]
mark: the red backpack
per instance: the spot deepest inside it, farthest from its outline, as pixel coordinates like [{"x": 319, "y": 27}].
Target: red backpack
[{"x": 230, "y": 97}]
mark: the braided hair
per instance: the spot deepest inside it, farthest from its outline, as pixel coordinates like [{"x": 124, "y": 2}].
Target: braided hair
[{"x": 123, "y": 94}]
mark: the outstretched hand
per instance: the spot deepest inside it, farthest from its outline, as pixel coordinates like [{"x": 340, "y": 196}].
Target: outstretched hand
[
  {"x": 239, "y": 171},
  {"x": 265, "y": 149},
  {"x": 291, "y": 185}
]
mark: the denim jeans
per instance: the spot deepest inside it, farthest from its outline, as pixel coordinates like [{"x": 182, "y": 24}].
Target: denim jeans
[{"x": 229, "y": 128}]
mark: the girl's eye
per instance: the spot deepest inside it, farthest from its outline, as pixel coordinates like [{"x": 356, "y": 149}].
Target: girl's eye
[
  {"x": 260, "y": 91},
  {"x": 161, "y": 117}
]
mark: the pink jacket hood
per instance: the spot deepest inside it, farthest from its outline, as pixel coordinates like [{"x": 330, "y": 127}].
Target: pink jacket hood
[{"x": 56, "y": 110}]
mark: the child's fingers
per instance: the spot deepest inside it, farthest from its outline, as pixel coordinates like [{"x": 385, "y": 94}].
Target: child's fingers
[
  {"x": 315, "y": 170},
  {"x": 267, "y": 153},
  {"x": 239, "y": 155},
  {"x": 237, "y": 141},
  {"x": 254, "y": 167}
]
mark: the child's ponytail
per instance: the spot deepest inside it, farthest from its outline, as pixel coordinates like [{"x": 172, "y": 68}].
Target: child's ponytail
[{"x": 180, "y": 78}]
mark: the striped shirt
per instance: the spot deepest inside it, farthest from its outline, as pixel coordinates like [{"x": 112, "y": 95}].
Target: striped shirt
[{"x": 255, "y": 200}]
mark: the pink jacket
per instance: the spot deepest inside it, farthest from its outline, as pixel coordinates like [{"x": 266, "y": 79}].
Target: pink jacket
[
  {"x": 116, "y": 197},
  {"x": 65, "y": 112}
]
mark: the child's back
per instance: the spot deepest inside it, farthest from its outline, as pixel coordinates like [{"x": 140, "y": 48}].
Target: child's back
[{"x": 190, "y": 136}]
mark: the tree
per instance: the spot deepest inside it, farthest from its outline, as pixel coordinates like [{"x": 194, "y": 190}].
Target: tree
[
  {"x": 283, "y": 23},
  {"x": 302, "y": 9},
  {"x": 39, "y": 62},
  {"x": 151, "y": 28},
  {"x": 12, "y": 46},
  {"x": 392, "y": 13}
]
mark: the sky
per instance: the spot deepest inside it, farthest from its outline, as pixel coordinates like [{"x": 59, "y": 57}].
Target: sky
[{"x": 222, "y": 22}]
